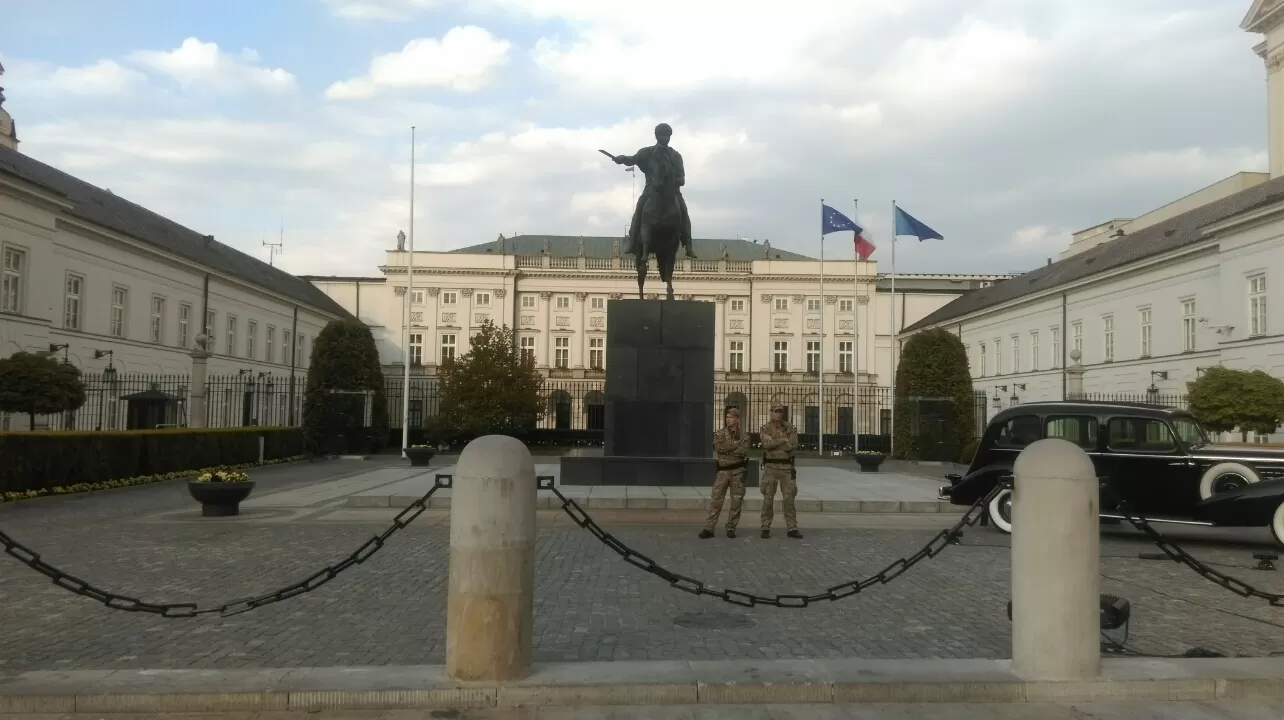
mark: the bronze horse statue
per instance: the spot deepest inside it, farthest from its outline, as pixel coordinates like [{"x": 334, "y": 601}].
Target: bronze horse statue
[{"x": 659, "y": 216}]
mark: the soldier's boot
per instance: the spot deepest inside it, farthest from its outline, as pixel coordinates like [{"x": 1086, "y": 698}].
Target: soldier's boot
[
  {"x": 794, "y": 534},
  {"x": 731, "y": 532},
  {"x": 705, "y": 534},
  {"x": 766, "y": 533}
]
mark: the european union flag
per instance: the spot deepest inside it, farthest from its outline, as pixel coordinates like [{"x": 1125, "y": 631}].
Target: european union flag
[
  {"x": 907, "y": 224},
  {"x": 833, "y": 221}
]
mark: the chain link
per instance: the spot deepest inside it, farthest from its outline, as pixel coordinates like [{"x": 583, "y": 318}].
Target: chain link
[
  {"x": 117, "y": 601},
  {"x": 1177, "y": 554},
  {"x": 942, "y": 540}
]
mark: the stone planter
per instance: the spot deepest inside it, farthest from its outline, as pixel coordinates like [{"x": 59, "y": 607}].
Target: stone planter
[
  {"x": 420, "y": 457},
  {"x": 219, "y": 499},
  {"x": 870, "y": 463}
]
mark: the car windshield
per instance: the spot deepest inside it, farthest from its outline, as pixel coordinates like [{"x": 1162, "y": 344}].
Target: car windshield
[{"x": 1190, "y": 432}]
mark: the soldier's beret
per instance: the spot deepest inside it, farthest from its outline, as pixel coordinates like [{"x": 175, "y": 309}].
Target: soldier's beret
[{"x": 777, "y": 406}]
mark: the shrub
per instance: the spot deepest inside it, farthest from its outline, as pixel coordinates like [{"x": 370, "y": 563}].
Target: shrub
[
  {"x": 344, "y": 358},
  {"x": 933, "y": 365},
  {"x": 1224, "y": 400},
  {"x": 43, "y": 460},
  {"x": 36, "y": 385},
  {"x": 493, "y": 389}
]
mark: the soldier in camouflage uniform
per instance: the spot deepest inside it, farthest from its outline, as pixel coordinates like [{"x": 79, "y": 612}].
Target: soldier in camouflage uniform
[
  {"x": 731, "y": 445},
  {"x": 779, "y": 441}
]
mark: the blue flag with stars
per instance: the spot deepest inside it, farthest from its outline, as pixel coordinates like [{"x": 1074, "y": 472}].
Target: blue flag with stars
[
  {"x": 907, "y": 224},
  {"x": 833, "y": 221}
]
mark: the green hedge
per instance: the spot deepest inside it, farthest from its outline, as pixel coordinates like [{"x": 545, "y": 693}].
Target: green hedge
[{"x": 43, "y": 460}]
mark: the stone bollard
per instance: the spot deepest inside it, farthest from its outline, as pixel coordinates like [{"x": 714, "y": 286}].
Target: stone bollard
[
  {"x": 490, "y": 601},
  {"x": 1056, "y": 557}
]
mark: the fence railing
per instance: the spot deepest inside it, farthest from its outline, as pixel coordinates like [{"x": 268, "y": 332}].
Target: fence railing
[
  {"x": 127, "y": 401},
  {"x": 1179, "y": 402}
]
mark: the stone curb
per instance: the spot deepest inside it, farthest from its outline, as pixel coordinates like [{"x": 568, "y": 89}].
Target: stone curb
[
  {"x": 632, "y": 683},
  {"x": 804, "y": 505}
]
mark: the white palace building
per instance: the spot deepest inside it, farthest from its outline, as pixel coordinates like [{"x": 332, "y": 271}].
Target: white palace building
[{"x": 1149, "y": 301}]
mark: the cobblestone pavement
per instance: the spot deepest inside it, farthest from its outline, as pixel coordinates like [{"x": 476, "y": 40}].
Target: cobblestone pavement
[
  {"x": 1239, "y": 710},
  {"x": 589, "y": 604}
]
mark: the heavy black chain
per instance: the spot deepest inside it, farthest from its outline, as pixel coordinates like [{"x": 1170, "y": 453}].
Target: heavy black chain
[
  {"x": 943, "y": 539},
  {"x": 117, "y": 601},
  {"x": 1172, "y": 550}
]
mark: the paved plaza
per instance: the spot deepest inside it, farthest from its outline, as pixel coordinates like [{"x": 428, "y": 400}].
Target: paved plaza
[
  {"x": 151, "y": 542},
  {"x": 1234, "y": 710}
]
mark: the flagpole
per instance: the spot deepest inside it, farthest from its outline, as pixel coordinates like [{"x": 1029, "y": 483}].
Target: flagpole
[
  {"x": 410, "y": 283},
  {"x": 855, "y": 343},
  {"x": 891, "y": 349},
  {"x": 820, "y": 438}
]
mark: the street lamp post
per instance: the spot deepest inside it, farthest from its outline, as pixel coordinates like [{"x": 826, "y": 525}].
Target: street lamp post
[{"x": 109, "y": 382}]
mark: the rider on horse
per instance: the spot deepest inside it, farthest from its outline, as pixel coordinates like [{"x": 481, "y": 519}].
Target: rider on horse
[{"x": 662, "y": 166}]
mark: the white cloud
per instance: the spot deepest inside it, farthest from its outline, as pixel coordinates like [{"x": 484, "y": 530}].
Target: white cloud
[
  {"x": 464, "y": 59},
  {"x": 202, "y": 64},
  {"x": 103, "y": 78},
  {"x": 377, "y": 9}
]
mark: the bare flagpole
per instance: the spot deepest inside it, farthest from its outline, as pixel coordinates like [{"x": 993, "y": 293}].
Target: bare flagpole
[
  {"x": 410, "y": 283},
  {"x": 891, "y": 330},
  {"x": 820, "y": 430},
  {"x": 856, "y": 343}
]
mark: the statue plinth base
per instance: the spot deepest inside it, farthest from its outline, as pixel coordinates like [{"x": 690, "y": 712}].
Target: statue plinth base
[{"x": 660, "y": 414}]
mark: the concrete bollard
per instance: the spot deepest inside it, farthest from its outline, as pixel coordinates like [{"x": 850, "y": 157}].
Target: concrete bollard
[
  {"x": 1056, "y": 556},
  {"x": 490, "y": 602}
]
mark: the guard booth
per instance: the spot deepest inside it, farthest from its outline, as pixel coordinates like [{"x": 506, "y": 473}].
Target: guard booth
[
  {"x": 151, "y": 409},
  {"x": 348, "y": 415},
  {"x": 931, "y": 420}
]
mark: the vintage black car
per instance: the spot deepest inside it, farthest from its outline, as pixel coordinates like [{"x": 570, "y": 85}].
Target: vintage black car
[{"x": 1158, "y": 459}]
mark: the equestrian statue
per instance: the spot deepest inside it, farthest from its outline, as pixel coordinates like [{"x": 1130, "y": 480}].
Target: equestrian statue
[{"x": 660, "y": 220}]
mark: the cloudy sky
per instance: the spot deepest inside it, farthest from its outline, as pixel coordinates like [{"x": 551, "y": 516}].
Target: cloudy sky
[{"x": 1003, "y": 124}]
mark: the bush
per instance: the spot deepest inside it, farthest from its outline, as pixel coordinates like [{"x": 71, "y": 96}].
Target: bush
[
  {"x": 933, "y": 365},
  {"x": 493, "y": 389},
  {"x": 44, "y": 460},
  {"x": 344, "y": 358},
  {"x": 37, "y": 385},
  {"x": 1224, "y": 400}
]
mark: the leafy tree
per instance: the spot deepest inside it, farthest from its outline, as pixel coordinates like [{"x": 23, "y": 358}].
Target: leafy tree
[
  {"x": 1225, "y": 399},
  {"x": 493, "y": 389},
  {"x": 344, "y": 358},
  {"x": 38, "y": 385},
  {"x": 934, "y": 365}
]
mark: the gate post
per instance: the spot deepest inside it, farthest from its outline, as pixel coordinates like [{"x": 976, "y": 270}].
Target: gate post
[
  {"x": 1056, "y": 556},
  {"x": 197, "y": 400},
  {"x": 490, "y": 601}
]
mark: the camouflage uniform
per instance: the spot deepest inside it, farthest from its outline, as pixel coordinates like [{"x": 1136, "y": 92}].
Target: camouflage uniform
[
  {"x": 731, "y": 448},
  {"x": 779, "y": 441}
]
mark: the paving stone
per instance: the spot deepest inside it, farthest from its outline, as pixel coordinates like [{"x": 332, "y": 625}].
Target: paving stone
[{"x": 590, "y": 605}]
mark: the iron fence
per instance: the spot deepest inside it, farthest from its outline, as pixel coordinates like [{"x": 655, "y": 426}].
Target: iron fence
[
  {"x": 129, "y": 401},
  {"x": 1177, "y": 402}
]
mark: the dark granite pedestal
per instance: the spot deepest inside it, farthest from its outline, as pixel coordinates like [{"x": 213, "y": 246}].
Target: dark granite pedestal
[{"x": 659, "y": 398}]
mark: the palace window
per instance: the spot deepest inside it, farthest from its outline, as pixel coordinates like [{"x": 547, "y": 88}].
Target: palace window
[
  {"x": 158, "y": 318},
  {"x": 1016, "y": 353},
  {"x": 447, "y": 347},
  {"x": 1076, "y": 336},
  {"x": 185, "y": 322},
  {"x": 11, "y": 289},
  {"x": 845, "y": 356},
  {"x": 1034, "y": 351},
  {"x": 1056, "y": 347},
  {"x": 71, "y": 314},
  {"x": 563, "y": 302},
  {"x": 737, "y": 306},
  {"x": 813, "y": 304},
  {"x": 597, "y": 353},
  {"x": 231, "y": 335},
  {"x": 736, "y": 359},
  {"x": 251, "y": 333},
  {"x": 845, "y": 305},
  {"x": 981, "y": 357},
  {"x": 780, "y": 356},
  {"x": 1188, "y": 324},
  {"x": 449, "y": 297},
  {"x": 1257, "y": 305},
  {"x": 416, "y": 349},
  {"x": 119, "y": 310},
  {"x": 528, "y": 301},
  {"x": 1143, "y": 321},
  {"x": 813, "y": 356},
  {"x": 782, "y": 303},
  {"x": 209, "y": 332},
  {"x": 528, "y": 348},
  {"x": 597, "y": 303},
  {"x": 482, "y": 299},
  {"x": 562, "y": 352},
  {"x": 1108, "y": 338},
  {"x": 270, "y": 347}
]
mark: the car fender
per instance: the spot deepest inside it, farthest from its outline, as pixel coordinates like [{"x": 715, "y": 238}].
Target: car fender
[
  {"x": 978, "y": 483},
  {"x": 1251, "y": 506}
]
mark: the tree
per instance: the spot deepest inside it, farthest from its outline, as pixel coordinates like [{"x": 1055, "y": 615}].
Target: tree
[
  {"x": 344, "y": 359},
  {"x": 493, "y": 389},
  {"x": 934, "y": 365},
  {"x": 1225, "y": 399},
  {"x": 38, "y": 385}
]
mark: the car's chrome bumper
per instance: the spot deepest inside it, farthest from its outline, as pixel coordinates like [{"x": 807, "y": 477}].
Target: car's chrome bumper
[{"x": 944, "y": 493}]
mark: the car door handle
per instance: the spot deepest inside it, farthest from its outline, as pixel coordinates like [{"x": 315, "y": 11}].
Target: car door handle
[{"x": 1179, "y": 464}]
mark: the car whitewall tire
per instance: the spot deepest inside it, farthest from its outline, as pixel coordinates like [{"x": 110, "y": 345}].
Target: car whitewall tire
[
  {"x": 1224, "y": 476},
  {"x": 1001, "y": 511},
  {"x": 1277, "y": 524}
]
